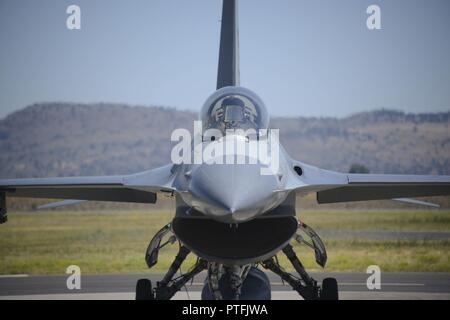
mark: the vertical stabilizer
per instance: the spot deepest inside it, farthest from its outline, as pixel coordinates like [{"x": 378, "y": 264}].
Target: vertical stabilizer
[{"x": 228, "y": 72}]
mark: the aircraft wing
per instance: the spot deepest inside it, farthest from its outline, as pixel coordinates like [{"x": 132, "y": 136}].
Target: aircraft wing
[
  {"x": 332, "y": 187},
  {"x": 141, "y": 187}
]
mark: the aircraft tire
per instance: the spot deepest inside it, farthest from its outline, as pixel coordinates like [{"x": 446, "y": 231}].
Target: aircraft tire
[
  {"x": 329, "y": 289},
  {"x": 144, "y": 290}
]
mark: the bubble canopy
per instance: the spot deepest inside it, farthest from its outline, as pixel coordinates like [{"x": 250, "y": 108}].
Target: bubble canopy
[{"x": 234, "y": 108}]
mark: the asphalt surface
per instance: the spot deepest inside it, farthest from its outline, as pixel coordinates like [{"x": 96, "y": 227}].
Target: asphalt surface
[{"x": 122, "y": 286}]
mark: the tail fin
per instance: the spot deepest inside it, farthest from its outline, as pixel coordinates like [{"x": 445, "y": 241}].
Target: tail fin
[{"x": 228, "y": 73}]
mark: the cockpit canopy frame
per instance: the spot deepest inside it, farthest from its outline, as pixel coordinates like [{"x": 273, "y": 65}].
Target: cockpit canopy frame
[{"x": 234, "y": 108}]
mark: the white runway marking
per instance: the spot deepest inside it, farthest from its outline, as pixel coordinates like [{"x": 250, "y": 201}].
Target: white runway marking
[{"x": 392, "y": 284}]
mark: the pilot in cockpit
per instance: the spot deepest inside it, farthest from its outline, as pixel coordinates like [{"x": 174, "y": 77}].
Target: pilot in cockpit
[{"x": 233, "y": 112}]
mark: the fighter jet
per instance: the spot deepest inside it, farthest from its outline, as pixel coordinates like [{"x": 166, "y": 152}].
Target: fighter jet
[{"x": 236, "y": 218}]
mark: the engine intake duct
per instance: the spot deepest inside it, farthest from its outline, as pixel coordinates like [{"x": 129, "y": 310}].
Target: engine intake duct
[{"x": 244, "y": 243}]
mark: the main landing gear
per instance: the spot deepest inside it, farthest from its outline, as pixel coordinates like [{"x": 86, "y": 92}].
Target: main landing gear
[
  {"x": 238, "y": 282},
  {"x": 306, "y": 286},
  {"x": 168, "y": 286}
]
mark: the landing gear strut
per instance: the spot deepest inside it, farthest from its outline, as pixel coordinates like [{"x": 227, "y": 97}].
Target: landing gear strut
[
  {"x": 305, "y": 285},
  {"x": 168, "y": 286},
  {"x": 234, "y": 281},
  {"x": 228, "y": 280}
]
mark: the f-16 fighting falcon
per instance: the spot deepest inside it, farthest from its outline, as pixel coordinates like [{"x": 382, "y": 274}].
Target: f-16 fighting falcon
[{"x": 236, "y": 216}]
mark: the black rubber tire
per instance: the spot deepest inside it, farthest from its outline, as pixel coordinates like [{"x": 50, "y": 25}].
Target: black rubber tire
[
  {"x": 329, "y": 289},
  {"x": 144, "y": 290}
]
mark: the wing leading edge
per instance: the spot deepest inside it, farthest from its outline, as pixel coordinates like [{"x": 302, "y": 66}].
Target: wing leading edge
[
  {"x": 377, "y": 187},
  {"x": 333, "y": 187},
  {"x": 141, "y": 187}
]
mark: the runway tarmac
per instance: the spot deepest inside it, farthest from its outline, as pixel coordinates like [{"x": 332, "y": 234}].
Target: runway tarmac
[{"x": 121, "y": 286}]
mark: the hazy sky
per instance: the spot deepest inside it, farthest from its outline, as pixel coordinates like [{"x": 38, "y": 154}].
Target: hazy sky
[{"x": 303, "y": 57}]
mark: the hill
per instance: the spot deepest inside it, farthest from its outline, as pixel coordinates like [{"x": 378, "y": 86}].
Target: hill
[{"x": 62, "y": 139}]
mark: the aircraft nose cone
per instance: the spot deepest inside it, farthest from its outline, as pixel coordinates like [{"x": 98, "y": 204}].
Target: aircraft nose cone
[{"x": 232, "y": 193}]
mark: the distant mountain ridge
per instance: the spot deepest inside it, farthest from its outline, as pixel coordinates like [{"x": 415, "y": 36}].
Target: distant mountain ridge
[{"x": 64, "y": 139}]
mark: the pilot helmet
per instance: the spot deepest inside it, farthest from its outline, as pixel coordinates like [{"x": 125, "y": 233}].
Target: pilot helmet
[{"x": 233, "y": 110}]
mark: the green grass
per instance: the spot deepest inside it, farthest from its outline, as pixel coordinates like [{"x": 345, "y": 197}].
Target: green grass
[
  {"x": 394, "y": 220},
  {"x": 390, "y": 255},
  {"x": 98, "y": 241}
]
